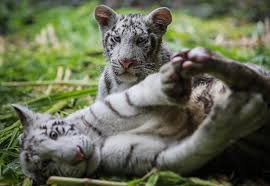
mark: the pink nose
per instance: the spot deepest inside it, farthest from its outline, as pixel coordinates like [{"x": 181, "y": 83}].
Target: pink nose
[{"x": 126, "y": 63}]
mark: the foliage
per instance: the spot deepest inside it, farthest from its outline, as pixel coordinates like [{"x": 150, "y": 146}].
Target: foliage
[
  {"x": 59, "y": 54},
  {"x": 156, "y": 178},
  {"x": 13, "y": 14},
  {"x": 237, "y": 8}
]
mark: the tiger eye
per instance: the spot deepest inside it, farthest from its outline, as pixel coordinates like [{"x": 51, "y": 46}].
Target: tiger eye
[
  {"x": 53, "y": 135},
  {"x": 141, "y": 40}
]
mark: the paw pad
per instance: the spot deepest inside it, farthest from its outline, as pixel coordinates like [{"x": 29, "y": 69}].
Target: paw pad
[
  {"x": 199, "y": 55},
  {"x": 174, "y": 77}
]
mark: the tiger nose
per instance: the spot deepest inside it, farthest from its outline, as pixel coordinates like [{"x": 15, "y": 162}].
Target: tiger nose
[{"x": 126, "y": 63}]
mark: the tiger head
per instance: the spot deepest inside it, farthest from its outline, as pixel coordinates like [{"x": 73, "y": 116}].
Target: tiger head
[
  {"x": 53, "y": 146},
  {"x": 133, "y": 42}
]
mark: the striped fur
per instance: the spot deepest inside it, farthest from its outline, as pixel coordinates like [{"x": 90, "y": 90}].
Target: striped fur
[
  {"x": 135, "y": 37},
  {"x": 43, "y": 144},
  {"x": 161, "y": 122}
]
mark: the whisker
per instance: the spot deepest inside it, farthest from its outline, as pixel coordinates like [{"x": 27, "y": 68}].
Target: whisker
[
  {"x": 149, "y": 63},
  {"x": 153, "y": 69}
]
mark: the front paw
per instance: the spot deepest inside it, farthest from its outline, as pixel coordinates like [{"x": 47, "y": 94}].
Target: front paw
[{"x": 174, "y": 85}]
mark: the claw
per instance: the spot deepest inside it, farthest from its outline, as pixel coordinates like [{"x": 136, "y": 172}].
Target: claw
[
  {"x": 183, "y": 53},
  {"x": 177, "y": 59},
  {"x": 187, "y": 65},
  {"x": 199, "y": 55}
]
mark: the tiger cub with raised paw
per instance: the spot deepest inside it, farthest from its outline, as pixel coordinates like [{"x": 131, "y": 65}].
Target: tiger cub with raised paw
[{"x": 98, "y": 139}]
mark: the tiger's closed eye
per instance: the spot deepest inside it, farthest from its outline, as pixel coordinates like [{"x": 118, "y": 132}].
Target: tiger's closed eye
[{"x": 53, "y": 135}]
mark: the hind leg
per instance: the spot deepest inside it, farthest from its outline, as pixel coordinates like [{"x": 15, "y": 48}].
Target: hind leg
[{"x": 236, "y": 75}]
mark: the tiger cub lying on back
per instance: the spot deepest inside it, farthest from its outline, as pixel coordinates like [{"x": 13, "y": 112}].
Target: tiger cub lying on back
[{"x": 101, "y": 138}]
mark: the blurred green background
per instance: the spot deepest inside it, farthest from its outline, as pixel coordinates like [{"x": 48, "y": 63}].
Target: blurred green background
[{"x": 51, "y": 52}]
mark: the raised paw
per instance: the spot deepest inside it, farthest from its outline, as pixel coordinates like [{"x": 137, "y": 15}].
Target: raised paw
[
  {"x": 198, "y": 60},
  {"x": 197, "y": 55},
  {"x": 174, "y": 85},
  {"x": 201, "y": 60}
]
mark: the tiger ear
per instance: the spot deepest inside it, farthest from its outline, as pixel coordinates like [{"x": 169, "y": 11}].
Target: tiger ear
[
  {"x": 160, "y": 18},
  {"x": 25, "y": 115},
  {"x": 105, "y": 16}
]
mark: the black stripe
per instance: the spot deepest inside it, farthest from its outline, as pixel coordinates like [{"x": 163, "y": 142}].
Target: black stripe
[
  {"x": 45, "y": 132},
  {"x": 154, "y": 162},
  {"x": 26, "y": 157},
  {"x": 206, "y": 99},
  {"x": 201, "y": 80},
  {"x": 107, "y": 81},
  {"x": 60, "y": 172},
  {"x": 55, "y": 123},
  {"x": 58, "y": 123},
  {"x": 63, "y": 130},
  {"x": 87, "y": 164},
  {"x": 40, "y": 141},
  {"x": 116, "y": 80},
  {"x": 109, "y": 105},
  {"x": 138, "y": 29},
  {"x": 129, "y": 102},
  {"x": 153, "y": 45},
  {"x": 101, "y": 166},
  {"x": 70, "y": 129},
  {"x": 57, "y": 130},
  {"x": 93, "y": 113},
  {"x": 121, "y": 17},
  {"x": 191, "y": 125},
  {"x": 43, "y": 127},
  {"x": 86, "y": 123},
  {"x": 123, "y": 30},
  {"x": 105, "y": 41},
  {"x": 67, "y": 132},
  {"x": 103, "y": 143},
  {"x": 129, "y": 155},
  {"x": 97, "y": 120},
  {"x": 158, "y": 45},
  {"x": 31, "y": 139}
]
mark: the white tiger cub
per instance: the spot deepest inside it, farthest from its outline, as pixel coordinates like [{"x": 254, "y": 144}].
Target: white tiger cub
[
  {"x": 132, "y": 46},
  {"x": 101, "y": 138}
]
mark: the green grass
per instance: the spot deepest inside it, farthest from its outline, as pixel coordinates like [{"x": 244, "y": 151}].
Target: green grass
[{"x": 63, "y": 48}]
